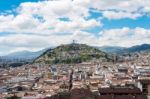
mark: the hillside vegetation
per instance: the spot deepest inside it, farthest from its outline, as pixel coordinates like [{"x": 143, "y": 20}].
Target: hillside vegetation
[{"x": 71, "y": 53}]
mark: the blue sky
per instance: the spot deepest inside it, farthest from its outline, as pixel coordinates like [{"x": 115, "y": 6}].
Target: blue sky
[
  {"x": 36, "y": 24},
  {"x": 12, "y": 4}
]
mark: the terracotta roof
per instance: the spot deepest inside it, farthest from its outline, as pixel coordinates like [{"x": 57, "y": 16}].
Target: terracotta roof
[
  {"x": 145, "y": 81},
  {"x": 119, "y": 91},
  {"x": 87, "y": 94}
]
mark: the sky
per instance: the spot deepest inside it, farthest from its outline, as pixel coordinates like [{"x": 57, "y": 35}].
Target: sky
[{"x": 36, "y": 24}]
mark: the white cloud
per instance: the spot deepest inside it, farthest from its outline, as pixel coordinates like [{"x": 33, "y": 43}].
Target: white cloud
[
  {"x": 43, "y": 18},
  {"x": 120, "y": 15},
  {"x": 126, "y": 5},
  {"x": 125, "y": 37},
  {"x": 37, "y": 25},
  {"x": 118, "y": 9},
  {"x": 19, "y": 42}
]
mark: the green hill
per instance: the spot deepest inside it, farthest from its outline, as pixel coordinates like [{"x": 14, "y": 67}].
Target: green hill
[{"x": 71, "y": 53}]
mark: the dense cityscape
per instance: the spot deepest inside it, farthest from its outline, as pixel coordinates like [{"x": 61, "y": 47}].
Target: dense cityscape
[{"x": 126, "y": 76}]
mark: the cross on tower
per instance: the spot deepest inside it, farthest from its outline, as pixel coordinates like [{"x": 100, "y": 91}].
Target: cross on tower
[{"x": 73, "y": 41}]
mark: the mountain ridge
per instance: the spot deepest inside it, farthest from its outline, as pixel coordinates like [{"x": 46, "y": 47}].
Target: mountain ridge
[
  {"x": 24, "y": 54},
  {"x": 123, "y": 50},
  {"x": 108, "y": 49}
]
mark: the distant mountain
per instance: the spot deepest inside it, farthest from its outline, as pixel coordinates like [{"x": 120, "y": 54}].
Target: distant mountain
[
  {"x": 24, "y": 55},
  {"x": 123, "y": 50},
  {"x": 71, "y": 53},
  {"x": 138, "y": 48},
  {"x": 111, "y": 49}
]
